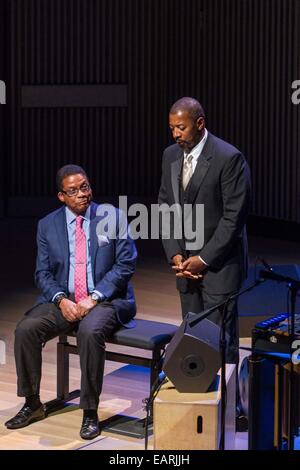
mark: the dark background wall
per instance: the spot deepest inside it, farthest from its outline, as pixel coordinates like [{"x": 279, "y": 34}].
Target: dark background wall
[
  {"x": 3, "y": 154},
  {"x": 239, "y": 57}
]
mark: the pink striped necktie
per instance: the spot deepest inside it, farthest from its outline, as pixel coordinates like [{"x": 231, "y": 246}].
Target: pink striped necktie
[{"x": 80, "y": 285}]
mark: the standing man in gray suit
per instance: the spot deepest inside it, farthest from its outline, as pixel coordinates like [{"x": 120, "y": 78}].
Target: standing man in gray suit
[{"x": 201, "y": 169}]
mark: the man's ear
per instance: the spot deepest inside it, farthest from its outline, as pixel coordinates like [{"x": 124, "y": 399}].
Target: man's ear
[
  {"x": 200, "y": 123},
  {"x": 61, "y": 197}
]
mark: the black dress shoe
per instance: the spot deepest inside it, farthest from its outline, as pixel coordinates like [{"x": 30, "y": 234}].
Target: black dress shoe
[
  {"x": 241, "y": 420},
  {"x": 241, "y": 423},
  {"x": 26, "y": 416},
  {"x": 89, "y": 428}
]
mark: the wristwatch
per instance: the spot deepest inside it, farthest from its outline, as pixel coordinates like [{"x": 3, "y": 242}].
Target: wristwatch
[
  {"x": 58, "y": 299},
  {"x": 96, "y": 297}
]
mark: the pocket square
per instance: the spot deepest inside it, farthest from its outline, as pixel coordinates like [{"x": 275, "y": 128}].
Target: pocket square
[{"x": 102, "y": 240}]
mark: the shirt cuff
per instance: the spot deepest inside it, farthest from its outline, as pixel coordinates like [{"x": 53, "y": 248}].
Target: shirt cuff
[
  {"x": 102, "y": 297},
  {"x": 201, "y": 259},
  {"x": 55, "y": 295}
]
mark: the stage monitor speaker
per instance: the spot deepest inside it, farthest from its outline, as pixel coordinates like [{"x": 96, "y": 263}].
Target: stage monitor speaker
[{"x": 192, "y": 357}]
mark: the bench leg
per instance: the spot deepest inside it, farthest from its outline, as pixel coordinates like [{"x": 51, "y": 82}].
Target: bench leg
[{"x": 62, "y": 371}]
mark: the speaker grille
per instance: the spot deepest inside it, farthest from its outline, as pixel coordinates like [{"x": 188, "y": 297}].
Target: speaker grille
[{"x": 192, "y": 357}]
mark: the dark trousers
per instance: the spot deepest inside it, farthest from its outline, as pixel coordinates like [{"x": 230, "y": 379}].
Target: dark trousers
[
  {"x": 45, "y": 322},
  {"x": 197, "y": 299}
]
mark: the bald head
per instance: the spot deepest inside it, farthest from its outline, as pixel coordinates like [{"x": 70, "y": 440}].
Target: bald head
[
  {"x": 189, "y": 105},
  {"x": 187, "y": 123}
]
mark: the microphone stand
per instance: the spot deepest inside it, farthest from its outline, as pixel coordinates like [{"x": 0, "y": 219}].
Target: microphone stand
[{"x": 200, "y": 316}]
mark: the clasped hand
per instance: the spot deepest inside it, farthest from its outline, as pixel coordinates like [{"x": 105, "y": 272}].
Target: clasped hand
[
  {"x": 75, "y": 312},
  {"x": 189, "y": 268}
]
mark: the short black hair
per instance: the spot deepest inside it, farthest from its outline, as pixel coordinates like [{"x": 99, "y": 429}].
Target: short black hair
[
  {"x": 68, "y": 170},
  {"x": 191, "y": 105}
]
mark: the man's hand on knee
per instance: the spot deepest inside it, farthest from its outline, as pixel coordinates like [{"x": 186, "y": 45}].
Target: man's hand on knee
[
  {"x": 84, "y": 306},
  {"x": 69, "y": 310}
]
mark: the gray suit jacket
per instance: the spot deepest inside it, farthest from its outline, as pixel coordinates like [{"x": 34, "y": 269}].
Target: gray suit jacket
[{"x": 221, "y": 181}]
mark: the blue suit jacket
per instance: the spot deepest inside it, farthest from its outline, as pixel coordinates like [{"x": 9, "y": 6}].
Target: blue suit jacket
[{"x": 113, "y": 262}]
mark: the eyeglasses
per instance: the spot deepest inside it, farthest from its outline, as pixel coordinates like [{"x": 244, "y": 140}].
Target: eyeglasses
[{"x": 84, "y": 188}]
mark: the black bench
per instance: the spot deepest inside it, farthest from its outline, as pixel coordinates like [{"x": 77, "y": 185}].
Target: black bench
[{"x": 147, "y": 335}]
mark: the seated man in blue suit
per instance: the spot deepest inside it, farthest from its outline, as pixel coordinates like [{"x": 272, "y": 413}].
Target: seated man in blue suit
[{"x": 84, "y": 279}]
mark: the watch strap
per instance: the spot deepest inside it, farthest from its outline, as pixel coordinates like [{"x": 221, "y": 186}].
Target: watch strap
[{"x": 59, "y": 298}]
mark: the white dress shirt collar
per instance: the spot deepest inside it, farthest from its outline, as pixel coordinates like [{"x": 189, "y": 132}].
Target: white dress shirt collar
[
  {"x": 196, "y": 151},
  {"x": 70, "y": 216}
]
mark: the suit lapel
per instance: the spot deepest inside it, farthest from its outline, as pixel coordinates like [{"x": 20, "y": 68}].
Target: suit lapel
[
  {"x": 93, "y": 234},
  {"x": 60, "y": 224},
  {"x": 176, "y": 166},
  {"x": 201, "y": 170},
  {"x": 62, "y": 234},
  {"x": 93, "y": 211}
]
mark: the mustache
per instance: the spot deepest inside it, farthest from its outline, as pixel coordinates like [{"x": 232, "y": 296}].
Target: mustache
[{"x": 178, "y": 140}]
